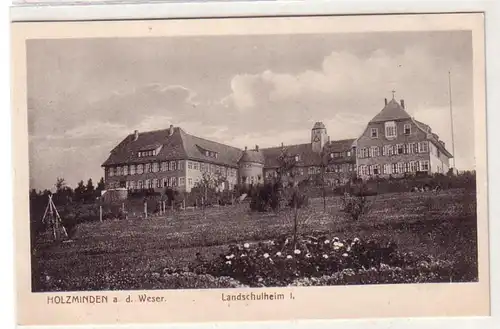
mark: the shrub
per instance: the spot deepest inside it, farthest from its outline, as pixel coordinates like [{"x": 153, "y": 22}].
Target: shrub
[{"x": 279, "y": 262}]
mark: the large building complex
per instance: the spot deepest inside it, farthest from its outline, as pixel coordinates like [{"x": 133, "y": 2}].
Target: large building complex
[{"x": 393, "y": 143}]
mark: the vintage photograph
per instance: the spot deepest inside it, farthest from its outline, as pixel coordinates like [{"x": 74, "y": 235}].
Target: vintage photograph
[
  {"x": 250, "y": 169},
  {"x": 251, "y": 161}
]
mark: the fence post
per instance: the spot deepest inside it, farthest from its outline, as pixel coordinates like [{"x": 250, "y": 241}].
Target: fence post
[
  {"x": 100, "y": 213},
  {"x": 145, "y": 210}
]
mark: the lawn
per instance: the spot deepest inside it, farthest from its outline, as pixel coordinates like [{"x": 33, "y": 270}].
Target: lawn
[{"x": 442, "y": 225}]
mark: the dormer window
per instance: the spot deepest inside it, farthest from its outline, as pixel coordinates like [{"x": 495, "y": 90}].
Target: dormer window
[
  {"x": 407, "y": 129},
  {"x": 374, "y": 132},
  {"x": 148, "y": 153},
  {"x": 297, "y": 158},
  {"x": 390, "y": 129}
]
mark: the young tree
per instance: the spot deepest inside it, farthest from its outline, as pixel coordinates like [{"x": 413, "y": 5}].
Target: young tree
[
  {"x": 209, "y": 185},
  {"x": 100, "y": 186},
  {"x": 89, "y": 191},
  {"x": 79, "y": 192}
]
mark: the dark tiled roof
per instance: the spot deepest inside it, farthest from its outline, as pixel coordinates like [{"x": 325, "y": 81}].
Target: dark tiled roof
[
  {"x": 177, "y": 146},
  {"x": 252, "y": 156},
  {"x": 307, "y": 157},
  {"x": 319, "y": 125},
  {"x": 340, "y": 145},
  {"x": 433, "y": 137},
  {"x": 392, "y": 111},
  {"x": 227, "y": 155}
]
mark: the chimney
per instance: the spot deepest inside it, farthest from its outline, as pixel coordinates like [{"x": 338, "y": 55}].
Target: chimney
[
  {"x": 246, "y": 148},
  {"x": 282, "y": 144},
  {"x": 171, "y": 130},
  {"x": 136, "y": 135},
  {"x": 257, "y": 148},
  {"x": 385, "y": 101},
  {"x": 403, "y": 103}
]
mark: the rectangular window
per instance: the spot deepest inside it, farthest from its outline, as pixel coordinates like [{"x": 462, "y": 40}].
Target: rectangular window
[
  {"x": 125, "y": 170},
  {"x": 173, "y": 181},
  {"x": 140, "y": 185},
  {"x": 414, "y": 166},
  {"x": 424, "y": 165},
  {"x": 165, "y": 182},
  {"x": 407, "y": 129},
  {"x": 147, "y": 167},
  {"x": 400, "y": 148},
  {"x": 413, "y": 148},
  {"x": 182, "y": 181},
  {"x": 140, "y": 169},
  {"x": 376, "y": 170},
  {"x": 148, "y": 183},
  {"x": 423, "y": 147},
  {"x": 390, "y": 129},
  {"x": 155, "y": 166},
  {"x": 407, "y": 167},
  {"x": 190, "y": 165},
  {"x": 406, "y": 148},
  {"x": 349, "y": 153},
  {"x": 111, "y": 171},
  {"x": 401, "y": 167},
  {"x": 374, "y": 132},
  {"x": 131, "y": 185},
  {"x": 164, "y": 166},
  {"x": 387, "y": 168},
  {"x": 394, "y": 167},
  {"x": 180, "y": 165},
  {"x": 196, "y": 166},
  {"x": 190, "y": 182},
  {"x": 132, "y": 169},
  {"x": 375, "y": 151}
]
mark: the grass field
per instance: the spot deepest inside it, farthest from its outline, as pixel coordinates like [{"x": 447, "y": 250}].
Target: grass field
[{"x": 442, "y": 225}]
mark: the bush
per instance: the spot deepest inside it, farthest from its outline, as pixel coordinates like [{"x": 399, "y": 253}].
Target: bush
[
  {"x": 279, "y": 263},
  {"x": 265, "y": 198}
]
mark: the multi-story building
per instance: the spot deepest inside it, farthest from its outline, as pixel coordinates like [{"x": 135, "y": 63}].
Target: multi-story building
[
  {"x": 174, "y": 158},
  {"x": 168, "y": 158},
  {"x": 394, "y": 143}
]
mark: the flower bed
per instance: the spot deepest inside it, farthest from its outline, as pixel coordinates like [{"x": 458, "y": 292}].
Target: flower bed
[{"x": 325, "y": 261}]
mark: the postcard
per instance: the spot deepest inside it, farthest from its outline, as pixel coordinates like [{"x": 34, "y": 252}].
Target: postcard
[{"x": 250, "y": 169}]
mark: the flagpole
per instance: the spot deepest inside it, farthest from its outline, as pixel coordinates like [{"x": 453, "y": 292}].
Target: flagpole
[{"x": 451, "y": 119}]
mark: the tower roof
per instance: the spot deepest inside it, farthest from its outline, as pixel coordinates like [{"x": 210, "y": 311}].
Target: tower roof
[
  {"x": 319, "y": 125},
  {"x": 252, "y": 156},
  {"x": 392, "y": 111}
]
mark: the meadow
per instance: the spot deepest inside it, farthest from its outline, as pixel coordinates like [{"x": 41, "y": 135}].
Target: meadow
[{"x": 126, "y": 254}]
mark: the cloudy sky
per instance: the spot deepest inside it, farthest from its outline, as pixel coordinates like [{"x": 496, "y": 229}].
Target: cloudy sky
[{"x": 86, "y": 95}]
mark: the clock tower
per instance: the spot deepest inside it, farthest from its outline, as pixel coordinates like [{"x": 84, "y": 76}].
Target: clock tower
[{"x": 318, "y": 136}]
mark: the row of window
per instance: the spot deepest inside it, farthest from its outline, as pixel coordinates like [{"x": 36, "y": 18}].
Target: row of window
[
  {"x": 145, "y": 168},
  {"x": 158, "y": 183},
  {"x": 394, "y": 168},
  {"x": 394, "y": 149},
  {"x": 149, "y": 153},
  {"x": 208, "y": 167},
  {"x": 391, "y": 130},
  {"x": 334, "y": 155}
]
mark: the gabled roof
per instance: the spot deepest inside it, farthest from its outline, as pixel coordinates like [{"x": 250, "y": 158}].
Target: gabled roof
[
  {"x": 179, "y": 145},
  {"x": 226, "y": 155},
  {"x": 307, "y": 157},
  {"x": 392, "y": 111},
  {"x": 433, "y": 137}
]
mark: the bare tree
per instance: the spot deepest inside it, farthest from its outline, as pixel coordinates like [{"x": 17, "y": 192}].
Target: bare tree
[{"x": 209, "y": 182}]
